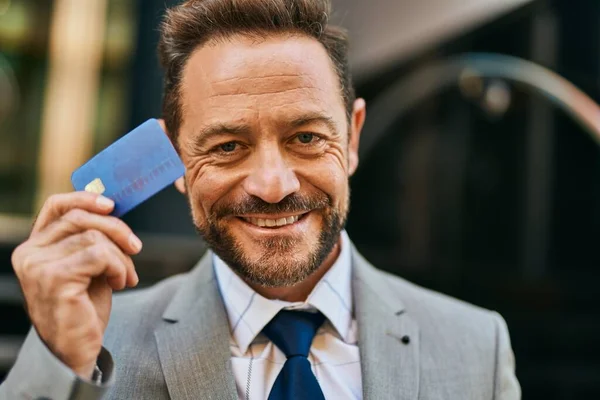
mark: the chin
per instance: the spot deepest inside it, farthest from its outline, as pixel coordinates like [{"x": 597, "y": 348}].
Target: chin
[
  {"x": 275, "y": 261},
  {"x": 274, "y": 257}
]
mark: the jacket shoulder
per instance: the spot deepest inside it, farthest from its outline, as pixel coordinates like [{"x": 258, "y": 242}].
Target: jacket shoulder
[
  {"x": 459, "y": 342},
  {"x": 456, "y": 339},
  {"x": 437, "y": 310},
  {"x": 433, "y": 300}
]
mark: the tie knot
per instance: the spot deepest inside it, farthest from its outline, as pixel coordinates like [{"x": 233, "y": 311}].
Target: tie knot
[{"x": 293, "y": 331}]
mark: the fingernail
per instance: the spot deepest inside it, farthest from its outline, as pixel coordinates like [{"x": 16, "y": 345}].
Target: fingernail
[
  {"x": 105, "y": 202},
  {"x": 137, "y": 279},
  {"x": 135, "y": 242}
]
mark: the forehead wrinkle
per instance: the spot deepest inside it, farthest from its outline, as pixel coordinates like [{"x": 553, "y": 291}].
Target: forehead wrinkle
[
  {"x": 229, "y": 108},
  {"x": 265, "y": 83},
  {"x": 215, "y": 95},
  {"x": 237, "y": 78}
]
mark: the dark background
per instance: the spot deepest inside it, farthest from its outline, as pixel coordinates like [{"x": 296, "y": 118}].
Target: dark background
[{"x": 499, "y": 210}]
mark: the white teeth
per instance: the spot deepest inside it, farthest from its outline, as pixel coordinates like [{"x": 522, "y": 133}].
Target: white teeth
[{"x": 262, "y": 222}]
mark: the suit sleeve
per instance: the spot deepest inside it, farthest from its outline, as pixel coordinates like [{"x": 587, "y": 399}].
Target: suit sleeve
[
  {"x": 38, "y": 373},
  {"x": 506, "y": 385}
]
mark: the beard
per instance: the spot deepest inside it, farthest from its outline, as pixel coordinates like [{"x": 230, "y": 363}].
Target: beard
[{"x": 279, "y": 263}]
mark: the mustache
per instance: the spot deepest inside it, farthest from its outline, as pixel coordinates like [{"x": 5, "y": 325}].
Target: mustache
[{"x": 293, "y": 203}]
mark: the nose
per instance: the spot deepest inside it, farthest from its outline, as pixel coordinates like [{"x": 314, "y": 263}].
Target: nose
[{"x": 271, "y": 178}]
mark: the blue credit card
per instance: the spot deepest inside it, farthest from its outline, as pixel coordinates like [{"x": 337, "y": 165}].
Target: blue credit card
[{"x": 132, "y": 169}]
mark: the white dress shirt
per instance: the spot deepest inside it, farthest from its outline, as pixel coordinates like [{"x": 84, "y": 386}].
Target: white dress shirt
[{"x": 333, "y": 356}]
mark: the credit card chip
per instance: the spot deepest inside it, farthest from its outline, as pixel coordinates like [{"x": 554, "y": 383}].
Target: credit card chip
[{"x": 95, "y": 186}]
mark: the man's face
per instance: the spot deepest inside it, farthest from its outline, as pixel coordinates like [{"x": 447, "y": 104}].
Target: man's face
[{"x": 268, "y": 152}]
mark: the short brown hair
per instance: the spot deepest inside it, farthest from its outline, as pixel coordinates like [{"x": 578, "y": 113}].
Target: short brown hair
[{"x": 194, "y": 22}]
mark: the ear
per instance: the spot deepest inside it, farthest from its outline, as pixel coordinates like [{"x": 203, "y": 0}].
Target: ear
[
  {"x": 179, "y": 183},
  {"x": 359, "y": 113}
]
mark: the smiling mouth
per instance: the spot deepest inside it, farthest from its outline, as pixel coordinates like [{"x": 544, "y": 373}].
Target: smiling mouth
[{"x": 273, "y": 222}]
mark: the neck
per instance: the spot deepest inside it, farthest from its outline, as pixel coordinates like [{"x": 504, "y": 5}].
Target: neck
[{"x": 301, "y": 290}]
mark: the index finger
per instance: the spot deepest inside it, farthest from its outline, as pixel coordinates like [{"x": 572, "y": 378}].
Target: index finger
[{"x": 59, "y": 204}]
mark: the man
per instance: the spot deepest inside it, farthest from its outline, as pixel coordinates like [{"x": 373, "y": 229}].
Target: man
[{"x": 258, "y": 101}]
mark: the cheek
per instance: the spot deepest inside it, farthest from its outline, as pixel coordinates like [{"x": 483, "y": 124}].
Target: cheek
[
  {"x": 200, "y": 204},
  {"x": 205, "y": 189},
  {"x": 329, "y": 176}
]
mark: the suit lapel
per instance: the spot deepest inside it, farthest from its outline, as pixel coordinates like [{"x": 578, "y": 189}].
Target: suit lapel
[
  {"x": 193, "y": 340},
  {"x": 388, "y": 337}
]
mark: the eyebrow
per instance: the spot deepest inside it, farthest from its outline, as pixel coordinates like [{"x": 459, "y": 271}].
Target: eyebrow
[
  {"x": 313, "y": 118},
  {"x": 210, "y": 131},
  {"x": 218, "y": 129}
]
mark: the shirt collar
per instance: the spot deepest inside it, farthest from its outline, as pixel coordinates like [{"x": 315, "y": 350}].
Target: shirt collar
[{"x": 249, "y": 312}]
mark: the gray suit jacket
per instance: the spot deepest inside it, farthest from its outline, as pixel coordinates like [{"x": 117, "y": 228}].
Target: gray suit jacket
[{"x": 171, "y": 341}]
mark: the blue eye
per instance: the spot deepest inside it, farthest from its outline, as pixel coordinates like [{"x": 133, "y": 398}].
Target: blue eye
[
  {"x": 228, "y": 147},
  {"x": 305, "y": 137}
]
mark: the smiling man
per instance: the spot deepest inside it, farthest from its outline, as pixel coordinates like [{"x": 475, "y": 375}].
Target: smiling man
[
  {"x": 259, "y": 104},
  {"x": 268, "y": 148}
]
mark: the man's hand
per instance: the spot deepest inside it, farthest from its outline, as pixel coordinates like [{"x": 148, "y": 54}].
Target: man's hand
[{"x": 74, "y": 258}]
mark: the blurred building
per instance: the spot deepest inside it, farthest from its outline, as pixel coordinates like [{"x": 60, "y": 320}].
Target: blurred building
[{"x": 483, "y": 189}]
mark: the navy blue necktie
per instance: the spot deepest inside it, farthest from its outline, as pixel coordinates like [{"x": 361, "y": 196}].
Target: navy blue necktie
[{"x": 293, "y": 332}]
